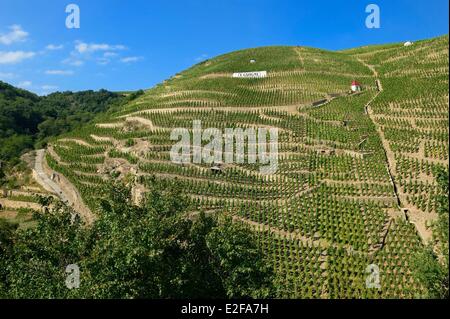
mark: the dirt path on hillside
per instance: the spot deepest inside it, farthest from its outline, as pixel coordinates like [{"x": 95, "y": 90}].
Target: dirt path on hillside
[
  {"x": 300, "y": 56},
  {"x": 411, "y": 213},
  {"x": 62, "y": 188}
]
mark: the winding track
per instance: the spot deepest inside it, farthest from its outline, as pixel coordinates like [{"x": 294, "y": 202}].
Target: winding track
[
  {"x": 42, "y": 178},
  {"x": 63, "y": 189},
  {"x": 416, "y": 217}
]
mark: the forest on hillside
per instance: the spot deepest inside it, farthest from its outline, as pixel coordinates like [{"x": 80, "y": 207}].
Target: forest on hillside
[{"x": 27, "y": 119}]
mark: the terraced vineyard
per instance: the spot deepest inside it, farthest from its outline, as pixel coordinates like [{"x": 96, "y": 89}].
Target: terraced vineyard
[
  {"x": 18, "y": 202},
  {"x": 354, "y": 187}
]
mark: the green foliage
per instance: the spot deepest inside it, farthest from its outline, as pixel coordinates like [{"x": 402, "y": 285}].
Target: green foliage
[
  {"x": 238, "y": 261},
  {"x": 135, "y": 95},
  {"x": 40, "y": 255},
  {"x": 3, "y": 179},
  {"x": 431, "y": 265},
  {"x": 430, "y": 272},
  {"x": 63, "y": 112},
  {"x": 26, "y": 118},
  {"x": 13, "y": 146},
  {"x": 153, "y": 251},
  {"x": 130, "y": 142},
  {"x": 6, "y": 234},
  {"x": 6, "y": 245}
]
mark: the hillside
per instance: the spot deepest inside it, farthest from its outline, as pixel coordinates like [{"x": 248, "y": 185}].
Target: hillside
[
  {"x": 18, "y": 121},
  {"x": 28, "y": 120},
  {"x": 355, "y": 184}
]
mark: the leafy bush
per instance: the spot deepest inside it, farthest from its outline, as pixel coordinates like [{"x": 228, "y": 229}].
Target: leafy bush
[{"x": 154, "y": 251}]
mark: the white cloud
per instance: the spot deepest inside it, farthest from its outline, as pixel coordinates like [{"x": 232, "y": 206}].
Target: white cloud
[
  {"x": 103, "y": 61},
  {"x": 82, "y": 47},
  {"x": 202, "y": 57},
  {"x": 17, "y": 34},
  {"x": 24, "y": 84},
  {"x": 11, "y": 57},
  {"x": 7, "y": 75},
  {"x": 76, "y": 63},
  {"x": 59, "y": 72},
  {"x": 53, "y": 47},
  {"x": 100, "y": 53},
  {"x": 73, "y": 61},
  {"x": 48, "y": 87},
  {"x": 131, "y": 59},
  {"x": 110, "y": 54}
]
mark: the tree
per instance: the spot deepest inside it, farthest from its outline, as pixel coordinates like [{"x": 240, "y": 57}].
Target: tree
[
  {"x": 6, "y": 244},
  {"x": 238, "y": 261},
  {"x": 13, "y": 146},
  {"x": 2, "y": 175},
  {"x": 27, "y": 119},
  {"x": 156, "y": 250},
  {"x": 37, "y": 261}
]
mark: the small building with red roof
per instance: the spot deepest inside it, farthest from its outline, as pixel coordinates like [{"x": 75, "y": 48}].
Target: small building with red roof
[{"x": 356, "y": 86}]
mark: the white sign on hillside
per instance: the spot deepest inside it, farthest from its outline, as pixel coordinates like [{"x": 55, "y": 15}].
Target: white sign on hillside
[{"x": 250, "y": 75}]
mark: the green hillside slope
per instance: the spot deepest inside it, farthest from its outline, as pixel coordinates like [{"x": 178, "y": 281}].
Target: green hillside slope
[{"x": 355, "y": 187}]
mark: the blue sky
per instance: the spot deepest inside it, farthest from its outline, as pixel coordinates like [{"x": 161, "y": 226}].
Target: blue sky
[{"x": 128, "y": 45}]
